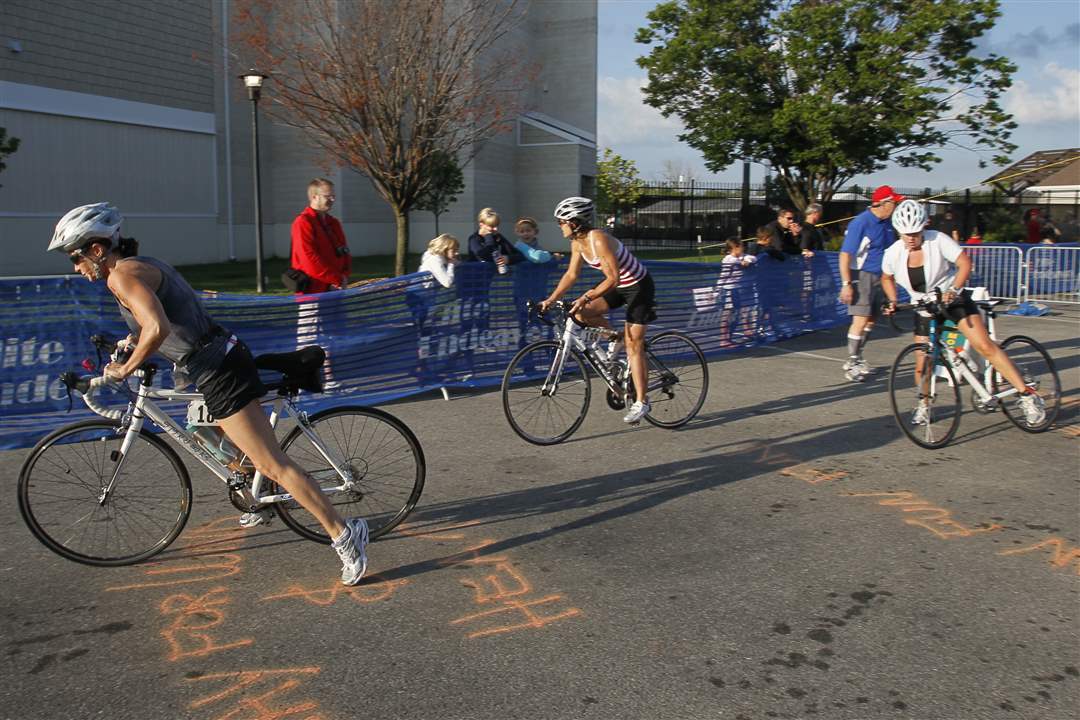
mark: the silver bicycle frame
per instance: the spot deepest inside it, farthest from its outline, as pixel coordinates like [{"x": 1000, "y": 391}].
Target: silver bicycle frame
[{"x": 143, "y": 407}]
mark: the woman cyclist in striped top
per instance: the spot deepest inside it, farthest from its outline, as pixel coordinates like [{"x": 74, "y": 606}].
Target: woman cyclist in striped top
[{"x": 626, "y": 282}]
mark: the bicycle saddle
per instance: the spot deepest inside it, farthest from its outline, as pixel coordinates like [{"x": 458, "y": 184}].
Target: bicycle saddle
[{"x": 299, "y": 368}]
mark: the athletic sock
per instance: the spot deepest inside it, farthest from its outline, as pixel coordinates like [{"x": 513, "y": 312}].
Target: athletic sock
[{"x": 854, "y": 345}]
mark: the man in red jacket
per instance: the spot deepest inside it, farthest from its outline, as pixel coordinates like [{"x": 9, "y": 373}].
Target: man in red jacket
[
  {"x": 320, "y": 251},
  {"x": 318, "y": 242}
]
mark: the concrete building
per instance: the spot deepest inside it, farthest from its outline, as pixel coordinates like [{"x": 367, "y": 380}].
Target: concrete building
[{"x": 138, "y": 103}]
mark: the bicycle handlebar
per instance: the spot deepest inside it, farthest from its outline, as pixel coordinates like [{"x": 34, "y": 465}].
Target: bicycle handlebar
[
  {"x": 89, "y": 385},
  {"x": 541, "y": 315}
]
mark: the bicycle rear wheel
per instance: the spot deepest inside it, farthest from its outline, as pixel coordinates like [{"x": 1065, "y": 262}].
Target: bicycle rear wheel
[
  {"x": 535, "y": 413},
  {"x": 925, "y": 401},
  {"x": 1039, "y": 373},
  {"x": 62, "y": 482},
  {"x": 382, "y": 456},
  {"x": 678, "y": 379}
]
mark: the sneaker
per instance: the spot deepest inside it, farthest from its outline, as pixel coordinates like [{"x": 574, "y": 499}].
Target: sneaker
[
  {"x": 921, "y": 414},
  {"x": 851, "y": 362},
  {"x": 637, "y": 411},
  {"x": 855, "y": 374},
  {"x": 259, "y": 517},
  {"x": 1033, "y": 408},
  {"x": 350, "y": 548}
]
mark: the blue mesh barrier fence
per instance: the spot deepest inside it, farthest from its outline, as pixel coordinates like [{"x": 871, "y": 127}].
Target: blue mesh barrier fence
[{"x": 402, "y": 336}]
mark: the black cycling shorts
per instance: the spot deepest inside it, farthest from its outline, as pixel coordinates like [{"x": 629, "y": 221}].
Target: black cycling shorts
[
  {"x": 235, "y": 383},
  {"x": 639, "y": 299},
  {"x": 957, "y": 311}
]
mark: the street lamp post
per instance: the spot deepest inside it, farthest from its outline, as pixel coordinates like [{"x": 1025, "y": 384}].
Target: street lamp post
[{"x": 253, "y": 80}]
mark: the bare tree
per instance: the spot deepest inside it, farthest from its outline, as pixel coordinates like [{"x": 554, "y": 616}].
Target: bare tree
[
  {"x": 382, "y": 85},
  {"x": 677, "y": 172}
]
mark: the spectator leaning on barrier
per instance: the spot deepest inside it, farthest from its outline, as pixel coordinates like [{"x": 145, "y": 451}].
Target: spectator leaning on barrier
[
  {"x": 865, "y": 242},
  {"x": 765, "y": 243},
  {"x": 319, "y": 249},
  {"x": 811, "y": 239},
  {"x": 487, "y": 244},
  {"x": 530, "y": 279},
  {"x": 786, "y": 231}
]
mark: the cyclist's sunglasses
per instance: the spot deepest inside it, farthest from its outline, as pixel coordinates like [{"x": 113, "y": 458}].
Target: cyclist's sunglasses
[{"x": 75, "y": 257}]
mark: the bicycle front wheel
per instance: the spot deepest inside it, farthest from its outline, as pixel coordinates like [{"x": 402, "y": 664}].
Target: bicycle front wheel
[
  {"x": 63, "y": 501},
  {"x": 383, "y": 460},
  {"x": 546, "y": 392},
  {"x": 925, "y": 400},
  {"x": 678, "y": 379},
  {"x": 1039, "y": 374}
]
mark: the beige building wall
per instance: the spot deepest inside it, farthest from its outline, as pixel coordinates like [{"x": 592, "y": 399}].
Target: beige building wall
[{"x": 152, "y": 117}]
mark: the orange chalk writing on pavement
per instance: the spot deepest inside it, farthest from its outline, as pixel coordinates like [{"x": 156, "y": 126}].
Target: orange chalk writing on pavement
[
  {"x": 193, "y": 570},
  {"x": 374, "y": 589},
  {"x": 269, "y": 704},
  {"x": 1062, "y": 554},
  {"x": 188, "y": 634},
  {"x": 516, "y": 615},
  {"x": 935, "y": 519},
  {"x": 505, "y": 582},
  {"x": 812, "y": 475}
]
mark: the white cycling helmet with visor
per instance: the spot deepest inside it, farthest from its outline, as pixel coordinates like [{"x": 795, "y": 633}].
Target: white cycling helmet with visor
[
  {"x": 575, "y": 208},
  {"x": 909, "y": 217},
  {"x": 84, "y": 224}
]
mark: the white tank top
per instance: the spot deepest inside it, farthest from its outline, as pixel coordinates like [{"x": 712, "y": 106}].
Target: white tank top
[{"x": 631, "y": 271}]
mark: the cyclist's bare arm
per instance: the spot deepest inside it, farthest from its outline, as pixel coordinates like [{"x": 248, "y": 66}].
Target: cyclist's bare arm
[
  {"x": 888, "y": 286},
  {"x": 569, "y": 277},
  {"x": 609, "y": 264},
  {"x": 132, "y": 291}
]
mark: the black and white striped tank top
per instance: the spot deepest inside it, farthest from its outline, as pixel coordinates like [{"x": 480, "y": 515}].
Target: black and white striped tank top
[{"x": 631, "y": 271}]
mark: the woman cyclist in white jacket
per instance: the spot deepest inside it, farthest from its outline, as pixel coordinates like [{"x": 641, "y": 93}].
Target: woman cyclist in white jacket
[{"x": 923, "y": 261}]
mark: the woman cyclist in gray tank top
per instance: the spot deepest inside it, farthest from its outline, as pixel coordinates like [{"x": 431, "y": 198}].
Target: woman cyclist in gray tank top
[{"x": 166, "y": 317}]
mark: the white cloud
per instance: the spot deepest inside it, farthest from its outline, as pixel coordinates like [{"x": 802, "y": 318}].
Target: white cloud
[
  {"x": 1055, "y": 98},
  {"x": 625, "y": 119}
]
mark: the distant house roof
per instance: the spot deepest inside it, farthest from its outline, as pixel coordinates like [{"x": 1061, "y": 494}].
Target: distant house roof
[{"x": 1046, "y": 167}]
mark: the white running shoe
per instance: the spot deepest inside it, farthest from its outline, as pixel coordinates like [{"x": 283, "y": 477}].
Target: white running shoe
[
  {"x": 350, "y": 548},
  {"x": 1033, "y": 407},
  {"x": 259, "y": 517},
  {"x": 851, "y": 362},
  {"x": 921, "y": 414},
  {"x": 637, "y": 411}
]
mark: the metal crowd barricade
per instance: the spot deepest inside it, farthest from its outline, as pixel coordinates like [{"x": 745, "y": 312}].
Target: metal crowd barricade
[
  {"x": 999, "y": 269},
  {"x": 1053, "y": 275}
]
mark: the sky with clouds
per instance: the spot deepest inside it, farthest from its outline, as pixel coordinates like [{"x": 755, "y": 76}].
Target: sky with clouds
[{"x": 1042, "y": 37}]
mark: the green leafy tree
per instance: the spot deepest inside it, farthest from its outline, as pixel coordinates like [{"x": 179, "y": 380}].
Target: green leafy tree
[
  {"x": 618, "y": 185},
  {"x": 826, "y": 90},
  {"x": 8, "y": 146},
  {"x": 444, "y": 181}
]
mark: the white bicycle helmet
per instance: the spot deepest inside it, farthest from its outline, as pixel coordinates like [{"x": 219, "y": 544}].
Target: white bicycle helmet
[
  {"x": 575, "y": 208},
  {"x": 909, "y": 217},
  {"x": 97, "y": 221}
]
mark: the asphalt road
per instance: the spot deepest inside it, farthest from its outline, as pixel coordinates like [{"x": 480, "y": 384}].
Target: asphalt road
[{"x": 788, "y": 555}]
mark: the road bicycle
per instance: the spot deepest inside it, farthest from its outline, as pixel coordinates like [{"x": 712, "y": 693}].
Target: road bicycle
[
  {"x": 110, "y": 492},
  {"x": 927, "y": 405},
  {"x": 546, "y": 388}
]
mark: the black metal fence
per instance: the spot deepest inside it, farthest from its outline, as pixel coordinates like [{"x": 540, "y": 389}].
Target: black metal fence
[{"x": 683, "y": 216}]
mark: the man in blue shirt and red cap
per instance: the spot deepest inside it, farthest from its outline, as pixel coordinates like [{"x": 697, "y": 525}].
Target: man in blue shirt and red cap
[{"x": 865, "y": 241}]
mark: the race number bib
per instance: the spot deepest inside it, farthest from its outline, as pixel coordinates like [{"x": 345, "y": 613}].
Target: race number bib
[{"x": 199, "y": 414}]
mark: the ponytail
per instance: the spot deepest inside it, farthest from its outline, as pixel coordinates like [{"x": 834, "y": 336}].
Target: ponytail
[{"x": 127, "y": 247}]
